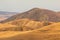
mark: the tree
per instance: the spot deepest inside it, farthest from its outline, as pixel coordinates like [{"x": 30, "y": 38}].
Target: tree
[
  {"x": 19, "y": 26},
  {"x": 45, "y": 20}
]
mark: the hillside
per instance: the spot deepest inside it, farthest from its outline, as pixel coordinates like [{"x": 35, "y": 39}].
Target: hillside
[
  {"x": 7, "y": 27},
  {"x": 35, "y": 14},
  {"x": 50, "y": 32},
  {"x": 21, "y": 25},
  {"x": 53, "y": 27},
  {"x": 35, "y": 24}
]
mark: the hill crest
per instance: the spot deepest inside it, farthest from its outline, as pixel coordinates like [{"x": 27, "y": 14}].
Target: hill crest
[{"x": 35, "y": 14}]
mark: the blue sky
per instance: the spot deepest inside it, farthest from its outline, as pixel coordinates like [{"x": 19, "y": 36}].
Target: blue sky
[{"x": 24, "y": 5}]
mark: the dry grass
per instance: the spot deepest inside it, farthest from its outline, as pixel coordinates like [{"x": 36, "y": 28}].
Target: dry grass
[
  {"x": 50, "y": 32},
  {"x": 24, "y": 24},
  {"x": 27, "y": 26}
]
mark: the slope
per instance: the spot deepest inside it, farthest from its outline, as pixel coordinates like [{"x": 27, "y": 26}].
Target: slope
[
  {"x": 39, "y": 34},
  {"x": 35, "y": 14},
  {"x": 21, "y": 25}
]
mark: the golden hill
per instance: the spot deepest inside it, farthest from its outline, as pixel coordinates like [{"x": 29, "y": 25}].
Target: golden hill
[
  {"x": 39, "y": 34},
  {"x": 53, "y": 27},
  {"x": 7, "y": 27},
  {"x": 21, "y": 25},
  {"x": 26, "y": 24}
]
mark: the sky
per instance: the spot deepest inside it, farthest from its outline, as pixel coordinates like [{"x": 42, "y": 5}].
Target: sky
[{"x": 24, "y": 5}]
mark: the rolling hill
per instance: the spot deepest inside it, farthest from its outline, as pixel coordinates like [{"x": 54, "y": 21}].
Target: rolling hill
[
  {"x": 21, "y": 25},
  {"x": 31, "y": 25},
  {"x": 50, "y": 32},
  {"x": 32, "y": 19}
]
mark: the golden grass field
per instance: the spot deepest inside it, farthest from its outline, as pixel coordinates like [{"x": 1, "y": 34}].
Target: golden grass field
[{"x": 50, "y": 32}]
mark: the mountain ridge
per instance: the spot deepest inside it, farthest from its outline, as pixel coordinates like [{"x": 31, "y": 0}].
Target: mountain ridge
[{"x": 35, "y": 14}]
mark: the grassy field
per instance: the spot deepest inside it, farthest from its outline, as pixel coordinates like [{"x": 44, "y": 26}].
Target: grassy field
[{"x": 50, "y": 32}]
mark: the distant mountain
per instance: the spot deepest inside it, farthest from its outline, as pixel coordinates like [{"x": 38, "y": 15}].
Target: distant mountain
[
  {"x": 36, "y": 14},
  {"x": 4, "y": 15}
]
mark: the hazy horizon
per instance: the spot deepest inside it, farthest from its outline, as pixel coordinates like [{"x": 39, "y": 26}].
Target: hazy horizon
[{"x": 24, "y": 5}]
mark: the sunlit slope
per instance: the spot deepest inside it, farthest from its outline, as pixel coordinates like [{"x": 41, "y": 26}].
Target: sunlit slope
[
  {"x": 6, "y": 34},
  {"x": 7, "y": 27},
  {"x": 54, "y": 27},
  {"x": 43, "y": 33},
  {"x": 21, "y": 25},
  {"x": 27, "y": 24}
]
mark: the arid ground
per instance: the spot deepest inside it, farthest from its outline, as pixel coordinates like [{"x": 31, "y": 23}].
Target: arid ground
[{"x": 35, "y": 24}]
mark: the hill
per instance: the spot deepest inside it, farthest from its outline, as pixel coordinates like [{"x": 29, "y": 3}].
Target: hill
[
  {"x": 50, "y": 32},
  {"x": 31, "y": 25},
  {"x": 21, "y": 25},
  {"x": 53, "y": 27},
  {"x": 7, "y": 27},
  {"x": 35, "y": 14}
]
